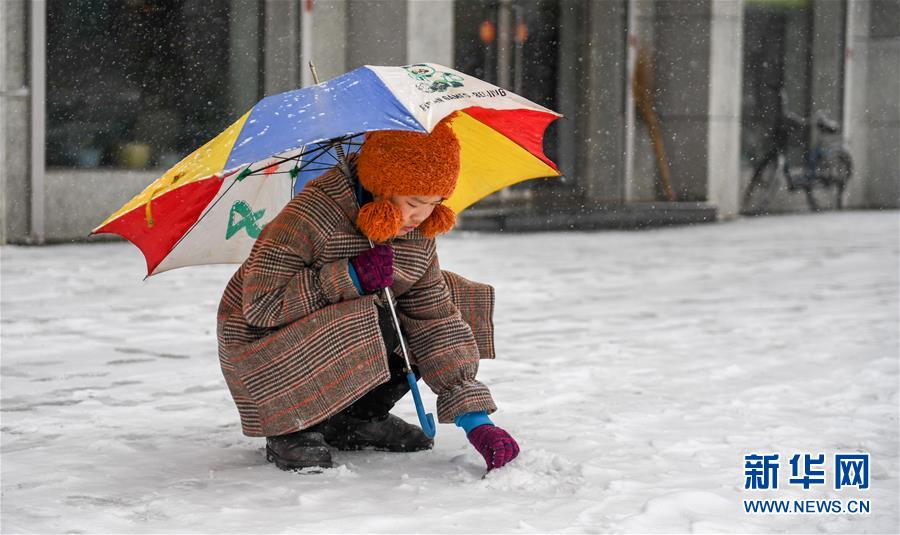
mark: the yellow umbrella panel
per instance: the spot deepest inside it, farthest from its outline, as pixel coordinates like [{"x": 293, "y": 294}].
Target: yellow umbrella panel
[{"x": 497, "y": 149}]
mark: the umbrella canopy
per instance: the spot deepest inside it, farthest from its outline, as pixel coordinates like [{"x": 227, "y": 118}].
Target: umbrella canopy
[{"x": 210, "y": 207}]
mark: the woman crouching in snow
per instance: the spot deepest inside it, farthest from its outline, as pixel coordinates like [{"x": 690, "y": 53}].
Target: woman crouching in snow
[{"x": 306, "y": 341}]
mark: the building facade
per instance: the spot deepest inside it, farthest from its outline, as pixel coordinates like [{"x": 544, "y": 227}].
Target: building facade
[{"x": 99, "y": 98}]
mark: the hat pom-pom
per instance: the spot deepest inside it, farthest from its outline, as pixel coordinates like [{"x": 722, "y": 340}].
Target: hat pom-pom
[
  {"x": 379, "y": 220},
  {"x": 440, "y": 221}
]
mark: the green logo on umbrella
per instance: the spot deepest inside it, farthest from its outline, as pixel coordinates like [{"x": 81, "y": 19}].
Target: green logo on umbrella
[
  {"x": 243, "y": 217},
  {"x": 424, "y": 73}
]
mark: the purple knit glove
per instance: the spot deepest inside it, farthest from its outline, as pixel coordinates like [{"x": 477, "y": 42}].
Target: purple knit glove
[
  {"x": 374, "y": 268},
  {"x": 494, "y": 444}
]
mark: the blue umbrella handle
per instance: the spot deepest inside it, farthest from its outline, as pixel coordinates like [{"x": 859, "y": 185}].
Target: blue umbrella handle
[{"x": 425, "y": 420}]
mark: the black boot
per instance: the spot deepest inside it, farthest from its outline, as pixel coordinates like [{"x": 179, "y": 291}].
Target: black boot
[
  {"x": 385, "y": 433},
  {"x": 294, "y": 451}
]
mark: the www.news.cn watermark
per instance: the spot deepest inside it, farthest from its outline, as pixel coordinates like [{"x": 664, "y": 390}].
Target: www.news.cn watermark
[{"x": 808, "y": 472}]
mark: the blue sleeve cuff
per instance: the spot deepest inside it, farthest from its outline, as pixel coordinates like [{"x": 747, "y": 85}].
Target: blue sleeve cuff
[
  {"x": 354, "y": 277},
  {"x": 471, "y": 420}
]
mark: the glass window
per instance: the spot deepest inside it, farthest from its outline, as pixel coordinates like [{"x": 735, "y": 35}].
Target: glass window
[
  {"x": 135, "y": 83},
  {"x": 777, "y": 55},
  {"x": 533, "y": 60}
]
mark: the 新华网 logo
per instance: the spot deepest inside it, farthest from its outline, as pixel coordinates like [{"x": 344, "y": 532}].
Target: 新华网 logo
[{"x": 807, "y": 471}]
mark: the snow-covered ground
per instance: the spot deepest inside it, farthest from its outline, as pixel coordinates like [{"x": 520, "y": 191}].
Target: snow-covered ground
[{"x": 636, "y": 369}]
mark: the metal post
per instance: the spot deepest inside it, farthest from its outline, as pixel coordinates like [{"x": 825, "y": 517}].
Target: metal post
[
  {"x": 631, "y": 34},
  {"x": 3, "y": 98},
  {"x": 38, "y": 113},
  {"x": 504, "y": 42},
  {"x": 518, "y": 61},
  {"x": 849, "y": 87},
  {"x": 306, "y": 39}
]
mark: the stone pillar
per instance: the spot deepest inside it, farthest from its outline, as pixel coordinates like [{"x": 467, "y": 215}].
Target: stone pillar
[
  {"x": 281, "y": 46},
  {"x": 682, "y": 72},
  {"x": 4, "y": 92},
  {"x": 855, "y": 123},
  {"x": 376, "y": 33},
  {"x": 872, "y": 102},
  {"x": 569, "y": 91},
  {"x": 725, "y": 74},
  {"x": 605, "y": 52},
  {"x": 14, "y": 123},
  {"x": 640, "y": 165},
  {"x": 244, "y": 71},
  {"x": 37, "y": 111},
  {"x": 429, "y": 31},
  {"x": 329, "y": 38},
  {"x": 882, "y": 105}
]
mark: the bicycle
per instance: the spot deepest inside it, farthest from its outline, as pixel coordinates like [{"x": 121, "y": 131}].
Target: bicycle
[{"x": 823, "y": 176}]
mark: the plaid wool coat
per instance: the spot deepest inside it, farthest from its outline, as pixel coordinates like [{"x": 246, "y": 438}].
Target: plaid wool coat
[{"x": 297, "y": 343}]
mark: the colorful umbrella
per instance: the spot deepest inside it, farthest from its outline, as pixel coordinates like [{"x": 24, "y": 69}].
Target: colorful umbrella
[{"x": 211, "y": 206}]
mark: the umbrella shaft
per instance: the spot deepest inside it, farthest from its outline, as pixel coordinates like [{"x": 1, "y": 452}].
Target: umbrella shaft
[
  {"x": 387, "y": 294},
  {"x": 342, "y": 161}
]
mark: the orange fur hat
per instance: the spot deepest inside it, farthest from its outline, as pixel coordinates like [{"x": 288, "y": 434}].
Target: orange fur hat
[{"x": 399, "y": 162}]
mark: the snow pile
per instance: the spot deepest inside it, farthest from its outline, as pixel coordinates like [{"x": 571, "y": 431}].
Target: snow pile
[
  {"x": 636, "y": 369},
  {"x": 537, "y": 472}
]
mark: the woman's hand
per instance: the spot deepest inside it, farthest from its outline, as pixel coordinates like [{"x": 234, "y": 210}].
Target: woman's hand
[{"x": 374, "y": 268}]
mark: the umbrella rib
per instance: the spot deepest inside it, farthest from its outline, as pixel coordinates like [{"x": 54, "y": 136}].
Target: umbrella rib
[
  {"x": 323, "y": 150},
  {"x": 282, "y": 160},
  {"x": 317, "y": 168},
  {"x": 328, "y": 154},
  {"x": 277, "y": 173},
  {"x": 275, "y": 164},
  {"x": 324, "y": 167}
]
